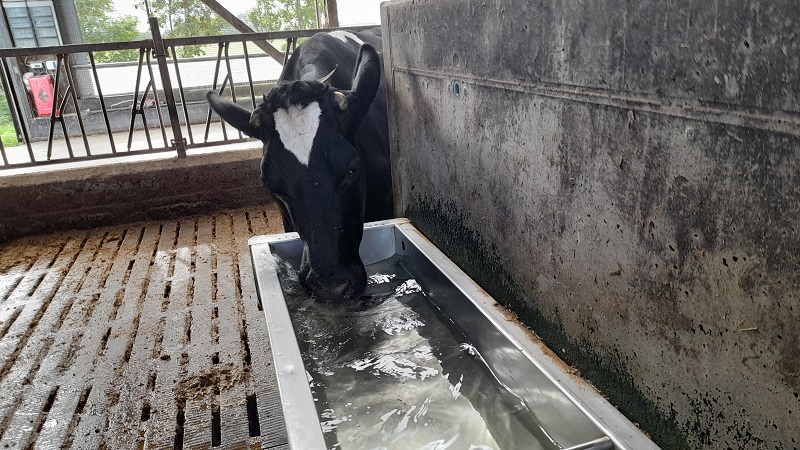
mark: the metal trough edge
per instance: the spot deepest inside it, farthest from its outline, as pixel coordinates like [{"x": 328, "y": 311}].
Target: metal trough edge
[
  {"x": 302, "y": 422},
  {"x": 300, "y": 414}
]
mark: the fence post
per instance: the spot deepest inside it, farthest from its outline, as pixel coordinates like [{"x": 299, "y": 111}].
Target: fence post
[{"x": 160, "y": 53}]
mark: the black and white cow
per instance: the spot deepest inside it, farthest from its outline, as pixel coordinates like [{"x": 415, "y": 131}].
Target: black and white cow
[{"x": 326, "y": 153}]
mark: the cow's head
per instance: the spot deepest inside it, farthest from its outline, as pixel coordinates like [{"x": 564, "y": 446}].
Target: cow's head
[{"x": 311, "y": 167}]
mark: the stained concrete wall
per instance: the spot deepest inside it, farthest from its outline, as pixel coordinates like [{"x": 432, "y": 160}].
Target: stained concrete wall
[
  {"x": 623, "y": 175},
  {"x": 153, "y": 187}
]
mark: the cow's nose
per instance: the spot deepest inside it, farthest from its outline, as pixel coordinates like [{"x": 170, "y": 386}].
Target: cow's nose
[{"x": 333, "y": 294}]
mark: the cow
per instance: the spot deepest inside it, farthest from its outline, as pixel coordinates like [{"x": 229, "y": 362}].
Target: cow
[{"x": 326, "y": 154}]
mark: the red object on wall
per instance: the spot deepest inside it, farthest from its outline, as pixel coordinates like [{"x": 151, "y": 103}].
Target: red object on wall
[{"x": 42, "y": 90}]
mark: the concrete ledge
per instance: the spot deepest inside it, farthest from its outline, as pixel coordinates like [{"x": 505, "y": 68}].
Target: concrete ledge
[{"x": 161, "y": 186}]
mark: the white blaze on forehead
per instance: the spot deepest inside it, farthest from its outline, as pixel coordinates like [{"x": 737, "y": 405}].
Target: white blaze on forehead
[
  {"x": 297, "y": 127},
  {"x": 343, "y": 35}
]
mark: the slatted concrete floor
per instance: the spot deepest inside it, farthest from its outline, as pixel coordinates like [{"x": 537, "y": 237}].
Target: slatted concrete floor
[{"x": 146, "y": 335}]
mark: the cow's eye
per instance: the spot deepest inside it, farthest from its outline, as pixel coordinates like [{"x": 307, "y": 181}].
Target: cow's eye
[{"x": 352, "y": 173}]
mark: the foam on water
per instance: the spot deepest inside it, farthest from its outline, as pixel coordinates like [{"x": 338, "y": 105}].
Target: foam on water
[{"x": 387, "y": 372}]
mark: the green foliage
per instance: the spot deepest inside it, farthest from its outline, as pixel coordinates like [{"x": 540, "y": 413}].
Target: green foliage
[
  {"x": 7, "y": 131},
  {"x": 280, "y": 15},
  {"x": 186, "y": 18},
  {"x": 99, "y": 24}
]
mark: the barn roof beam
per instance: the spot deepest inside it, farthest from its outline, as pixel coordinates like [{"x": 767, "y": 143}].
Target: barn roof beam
[{"x": 223, "y": 12}]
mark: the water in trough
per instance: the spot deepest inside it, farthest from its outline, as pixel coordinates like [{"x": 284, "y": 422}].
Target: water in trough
[{"x": 390, "y": 371}]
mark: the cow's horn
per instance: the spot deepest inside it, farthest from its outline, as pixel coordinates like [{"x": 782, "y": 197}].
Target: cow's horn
[
  {"x": 341, "y": 99},
  {"x": 329, "y": 75},
  {"x": 255, "y": 119}
]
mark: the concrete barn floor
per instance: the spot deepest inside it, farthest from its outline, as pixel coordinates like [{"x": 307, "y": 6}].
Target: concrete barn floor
[{"x": 144, "y": 335}]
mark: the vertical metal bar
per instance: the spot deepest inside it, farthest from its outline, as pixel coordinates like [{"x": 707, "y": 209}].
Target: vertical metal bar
[
  {"x": 12, "y": 113},
  {"x": 144, "y": 116},
  {"x": 291, "y": 46},
  {"x": 157, "y": 100},
  {"x": 60, "y": 117},
  {"x": 135, "y": 98},
  {"x": 3, "y": 152},
  {"x": 55, "y": 109},
  {"x": 230, "y": 76},
  {"x": 130, "y": 129},
  {"x": 2, "y": 147},
  {"x": 160, "y": 52},
  {"x": 221, "y": 90},
  {"x": 18, "y": 109},
  {"x": 287, "y": 54},
  {"x": 249, "y": 74},
  {"x": 102, "y": 102},
  {"x": 76, "y": 105},
  {"x": 183, "y": 97},
  {"x": 214, "y": 87},
  {"x": 8, "y": 89}
]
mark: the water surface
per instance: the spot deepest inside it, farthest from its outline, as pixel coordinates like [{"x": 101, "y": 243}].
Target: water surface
[{"x": 389, "y": 371}]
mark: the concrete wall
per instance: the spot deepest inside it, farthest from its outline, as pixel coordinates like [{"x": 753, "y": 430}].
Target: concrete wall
[
  {"x": 625, "y": 176},
  {"x": 130, "y": 189}
]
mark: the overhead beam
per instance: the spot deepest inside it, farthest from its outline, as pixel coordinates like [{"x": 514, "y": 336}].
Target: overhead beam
[{"x": 242, "y": 27}]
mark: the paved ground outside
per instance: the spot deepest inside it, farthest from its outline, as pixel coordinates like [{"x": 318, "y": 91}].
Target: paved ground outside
[{"x": 99, "y": 144}]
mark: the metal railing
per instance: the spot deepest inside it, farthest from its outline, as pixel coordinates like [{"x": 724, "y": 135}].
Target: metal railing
[{"x": 165, "y": 104}]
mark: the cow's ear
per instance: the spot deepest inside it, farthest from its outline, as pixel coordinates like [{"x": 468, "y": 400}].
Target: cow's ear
[
  {"x": 367, "y": 77},
  {"x": 232, "y": 113},
  {"x": 366, "y": 81}
]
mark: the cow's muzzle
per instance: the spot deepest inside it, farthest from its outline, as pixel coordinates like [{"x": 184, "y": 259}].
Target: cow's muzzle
[{"x": 337, "y": 289}]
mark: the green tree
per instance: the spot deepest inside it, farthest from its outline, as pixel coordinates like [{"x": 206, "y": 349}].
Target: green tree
[
  {"x": 186, "y": 18},
  {"x": 99, "y": 24},
  {"x": 280, "y": 15}
]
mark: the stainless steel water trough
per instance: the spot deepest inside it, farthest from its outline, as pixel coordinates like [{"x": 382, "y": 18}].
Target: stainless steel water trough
[{"x": 572, "y": 412}]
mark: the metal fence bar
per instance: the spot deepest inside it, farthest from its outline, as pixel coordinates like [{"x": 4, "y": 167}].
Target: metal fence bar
[
  {"x": 66, "y": 93},
  {"x": 160, "y": 52},
  {"x": 288, "y": 52},
  {"x": 183, "y": 96},
  {"x": 95, "y": 157},
  {"x": 60, "y": 119},
  {"x": 11, "y": 111},
  {"x": 15, "y": 101},
  {"x": 2, "y": 147},
  {"x": 134, "y": 109},
  {"x": 157, "y": 100},
  {"x": 221, "y": 90},
  {"x": 230, "y": 76},
  {"x": 55, "y": 112},
  {"x": 3, "y": 152},
  {"x": 249, "y": 74},
  {"x": 102, "y": 103},
  {"x": 75, "y": 104},
  {"x": 214, "y": 88},
  {"x": 21, "y": 52},
  {"x": 144, "y": 114}
]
